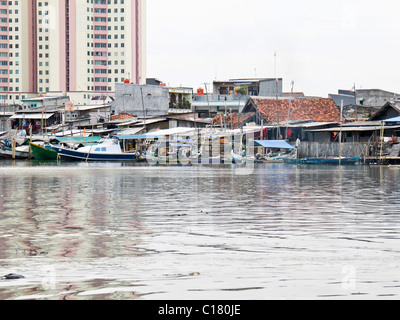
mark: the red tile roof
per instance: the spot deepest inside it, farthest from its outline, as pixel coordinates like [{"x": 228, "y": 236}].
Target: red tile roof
[
  {"x": 233, "y": 119},
  {"x": 318, "y": 110},
  {"x": 122, "y": 116}
]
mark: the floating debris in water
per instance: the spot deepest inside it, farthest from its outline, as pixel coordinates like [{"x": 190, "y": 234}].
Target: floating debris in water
[
  {"x": 179, "y": 275},
  {"x": 12, "y": 276},
  {"x": 32, "y": 252}
]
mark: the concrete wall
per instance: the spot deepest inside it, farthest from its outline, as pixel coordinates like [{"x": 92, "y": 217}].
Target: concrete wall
[
  {"x": 268, "y": 88},
  {"x": 370, "y": 97},
  {"x": 218, "y": 103},
  {"x": 128, "y": 98},
  {"x": 51, "y": 102},
  {"x": 347, "y": 99},
  {"x": 375, "y": 97}
]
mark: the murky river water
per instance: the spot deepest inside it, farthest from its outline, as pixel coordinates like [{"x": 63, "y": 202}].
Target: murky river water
[{"x": 114, "y": 231}]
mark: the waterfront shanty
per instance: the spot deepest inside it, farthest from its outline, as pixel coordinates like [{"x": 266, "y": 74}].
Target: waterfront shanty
[{"x": 314, "y": 124}]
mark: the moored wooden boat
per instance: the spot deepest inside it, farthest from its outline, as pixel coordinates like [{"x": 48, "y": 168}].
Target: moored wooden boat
[
  {"x": 108, "y": 150},
  {"x": 335, "y": 161},
  {"x": 326, "y": 161},
  {"x": 20, "y": 153},
  {"x": 43, "y": 152}
]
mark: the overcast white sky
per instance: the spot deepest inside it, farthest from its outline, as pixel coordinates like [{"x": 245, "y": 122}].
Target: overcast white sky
[{"x": 322, "y": 46}]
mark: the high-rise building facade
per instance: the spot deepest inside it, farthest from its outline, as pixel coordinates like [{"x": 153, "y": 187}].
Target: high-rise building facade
[{"x": 81, "y": 48}]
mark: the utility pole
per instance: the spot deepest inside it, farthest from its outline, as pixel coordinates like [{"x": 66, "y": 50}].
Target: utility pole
[
  {"x": 290, "y": 107},
  {"x": 277, "y": 113},
  {"x": 340, "y": 133},
  {"x": 355, "y": 97},
  {"x": 208, "y": 101},
  {"x": 277, "y": 104}
]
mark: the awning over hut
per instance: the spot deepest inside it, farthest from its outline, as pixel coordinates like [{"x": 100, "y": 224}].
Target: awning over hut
[
  {"x": 392, "y": 121},
  {"x": 77, "y": 139},
  {"x": 32, "y": 116},
  {"x": 279, "y": 144}
]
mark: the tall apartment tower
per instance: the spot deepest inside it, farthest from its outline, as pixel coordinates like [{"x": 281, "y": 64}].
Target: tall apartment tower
[{"x": 80, "y": 48}]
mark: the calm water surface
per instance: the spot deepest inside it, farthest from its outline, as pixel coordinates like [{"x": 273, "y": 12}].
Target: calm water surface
[{"x": 115, "y": 231}]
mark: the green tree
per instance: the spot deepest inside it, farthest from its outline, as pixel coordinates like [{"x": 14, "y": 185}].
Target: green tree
[{"x": 242, "y": 90}]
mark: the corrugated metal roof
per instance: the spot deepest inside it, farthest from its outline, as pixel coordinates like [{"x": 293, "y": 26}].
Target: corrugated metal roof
[
  {"x": 91, "y": 107},
  {"x": 354, "y": 129},
  {"x": 131, "y": 131},
  {"x": 33, "y": 116},
  {"x": 136, "y": 136},
  {"x": 310, "y": 124},
  {"x": 220, "y": 104},
  {"x": 173, "y": 131}
]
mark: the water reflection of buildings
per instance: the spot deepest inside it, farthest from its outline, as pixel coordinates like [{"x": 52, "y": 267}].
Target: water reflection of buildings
[
  {"x": 4, "y": 216},
  {"x": 68, "y": 213},
  {"x": 89, "y": 213}
]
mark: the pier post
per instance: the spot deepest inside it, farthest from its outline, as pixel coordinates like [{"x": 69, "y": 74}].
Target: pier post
[{"x": 14, "y": 144}]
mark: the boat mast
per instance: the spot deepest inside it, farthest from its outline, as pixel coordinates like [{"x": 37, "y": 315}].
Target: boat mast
[
  {"x": 208, "y": 101},
  {"x": 340, "y": 133},
  {"x": 355, "y": 97},
  {"x": 144, "y": 111}
]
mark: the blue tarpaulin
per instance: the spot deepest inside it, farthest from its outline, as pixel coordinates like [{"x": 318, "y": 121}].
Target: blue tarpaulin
[
  {"x": 392, "y": 121},
  {"x": 279, "y": 144},
  {"x": 77, "y": 139}
]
